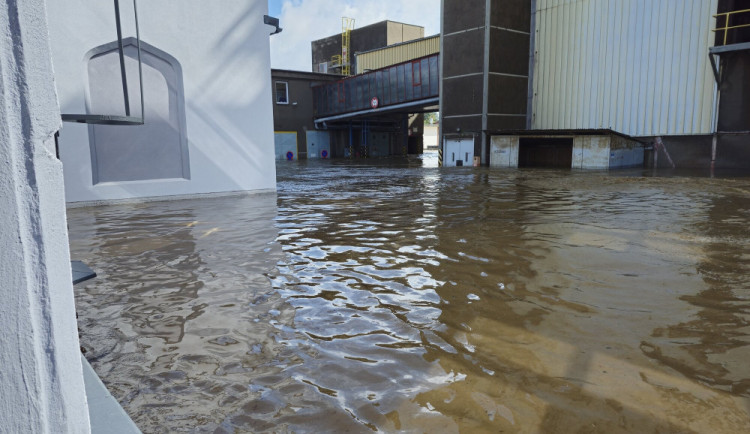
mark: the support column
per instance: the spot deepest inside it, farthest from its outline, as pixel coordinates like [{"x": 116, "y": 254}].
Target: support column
[
  {"x": 351, "y": 140},
  {"x": 41, "y": 380}
]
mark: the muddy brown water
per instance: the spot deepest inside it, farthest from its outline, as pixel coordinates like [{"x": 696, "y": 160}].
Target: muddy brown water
[{"x": 396, "y": 297}]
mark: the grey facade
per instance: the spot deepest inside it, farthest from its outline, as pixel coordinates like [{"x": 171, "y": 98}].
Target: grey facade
[
  {"x": 296, "y": 114},
  {"x": 485, "y": 67},
  {"x": 367, "y": 38}
]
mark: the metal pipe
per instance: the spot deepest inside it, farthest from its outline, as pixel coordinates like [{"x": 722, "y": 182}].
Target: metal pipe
[
  {"x": 713, "y": 148},
  {"x": 122, "y": 58},
  {"x": 140, "y": 63},
  {"x": 384, "y": 110}
]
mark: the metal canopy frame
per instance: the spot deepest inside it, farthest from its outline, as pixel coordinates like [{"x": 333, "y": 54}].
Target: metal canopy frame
[
  {"x": 118, "y": 119},
  {"x": 716, "y": 52}
]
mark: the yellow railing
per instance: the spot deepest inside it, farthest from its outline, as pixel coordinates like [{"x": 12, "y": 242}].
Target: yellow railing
[
  {"x": 347, "y": 25},
  {"x": 727, "y": 27}
]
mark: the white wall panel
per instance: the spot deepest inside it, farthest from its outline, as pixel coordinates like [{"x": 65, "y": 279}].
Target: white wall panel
[
  {"x": 224, "y": 54},
  {"x": 639, "y": 67}
]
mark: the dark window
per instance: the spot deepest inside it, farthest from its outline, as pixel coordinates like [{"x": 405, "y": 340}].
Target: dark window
[
  {"x": 282, "y": 92},
  {"x": 401, "y": 75},
  {"x": 416, "y": 73},
  {"x": 545, "y": 152},
  {"x": 434, "y": 75}
]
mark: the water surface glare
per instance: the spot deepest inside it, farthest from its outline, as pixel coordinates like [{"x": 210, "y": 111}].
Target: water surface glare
[{"x": 379, "y": 297}]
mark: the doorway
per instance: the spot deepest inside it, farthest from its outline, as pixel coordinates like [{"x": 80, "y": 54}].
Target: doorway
[
  {"x": 545, "y": 152},
  {"x": 458, "y": 152}
]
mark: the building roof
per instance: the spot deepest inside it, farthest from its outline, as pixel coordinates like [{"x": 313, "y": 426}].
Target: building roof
[
  {"x": 304, "y": 75},
  {"x": 413, "y": 41},
  {"x": 379, "y": 23}
]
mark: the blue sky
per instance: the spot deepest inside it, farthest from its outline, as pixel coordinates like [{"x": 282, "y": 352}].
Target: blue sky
[
  {"x": 274, "y": 7},
  {"x": 304, "y": 21}
]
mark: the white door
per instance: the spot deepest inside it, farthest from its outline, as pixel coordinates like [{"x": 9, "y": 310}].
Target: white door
[
  {"x": 318, "y": 144},
  {"x": 285, "y": 143},
  {"x": 458, "y": 152}
]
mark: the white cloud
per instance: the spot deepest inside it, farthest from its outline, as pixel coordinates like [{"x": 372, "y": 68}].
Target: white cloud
[{"x": 304, "y": 21}]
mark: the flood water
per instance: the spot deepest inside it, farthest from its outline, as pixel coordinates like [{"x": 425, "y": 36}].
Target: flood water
[{"x": 374, "y": 296}]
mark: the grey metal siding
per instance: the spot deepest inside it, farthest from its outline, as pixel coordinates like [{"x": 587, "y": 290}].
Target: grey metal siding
[{"x": 639, "y": 67}]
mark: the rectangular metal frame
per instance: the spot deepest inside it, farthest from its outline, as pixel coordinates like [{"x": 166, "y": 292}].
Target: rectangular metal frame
[{"x": 118, "y": 119}]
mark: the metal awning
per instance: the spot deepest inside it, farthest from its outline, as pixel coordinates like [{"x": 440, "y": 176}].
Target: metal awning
[{"x": 716, "y": 52}]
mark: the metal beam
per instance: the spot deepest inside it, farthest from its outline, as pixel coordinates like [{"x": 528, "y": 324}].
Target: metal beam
[{"x": 384, "y": 110}]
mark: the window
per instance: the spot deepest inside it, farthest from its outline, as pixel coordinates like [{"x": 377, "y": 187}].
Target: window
[
  {"x": 342, "y": 92},
  {"x": 416, "y": 73},
  {"x": 282, "y": 92}
]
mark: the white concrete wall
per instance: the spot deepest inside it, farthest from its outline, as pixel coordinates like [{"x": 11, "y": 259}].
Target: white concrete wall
[
  {"x": 591, "y": 152},
  {"x": 41, "y": 382},
  {"x": 504, "y": 151},
  {"x": 223, "y": 50}
]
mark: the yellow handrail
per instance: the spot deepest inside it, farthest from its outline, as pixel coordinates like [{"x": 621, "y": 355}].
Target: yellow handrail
[{"x": 727, "y": 27}]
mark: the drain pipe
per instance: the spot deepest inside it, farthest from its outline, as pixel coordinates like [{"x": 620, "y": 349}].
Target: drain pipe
[
  {"x": 714, "y": 143},
  {"x": 715, "y": 115}
]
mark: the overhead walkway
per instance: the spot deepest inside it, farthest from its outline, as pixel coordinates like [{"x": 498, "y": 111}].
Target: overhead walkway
[{"x": 408, "y": 87}]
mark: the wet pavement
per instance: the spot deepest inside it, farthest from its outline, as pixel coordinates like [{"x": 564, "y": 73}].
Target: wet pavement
[{"x": 394, "y": 296}]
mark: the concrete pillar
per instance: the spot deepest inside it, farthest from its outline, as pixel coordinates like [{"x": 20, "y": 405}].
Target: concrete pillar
[{"x": 41, "y": 381}]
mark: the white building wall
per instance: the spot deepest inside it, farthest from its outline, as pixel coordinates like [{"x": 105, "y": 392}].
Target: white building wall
[
  {"x": 504, "y": 151},
  {"x": 223, "y": 51},
  {"x": 41, "y": 382},
  {"x": 639, "y": 67},
  {"x": 591, "y": 152}
]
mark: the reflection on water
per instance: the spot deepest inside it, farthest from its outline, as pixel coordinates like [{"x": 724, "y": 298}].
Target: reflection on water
[{"x": 369, "y": 297}]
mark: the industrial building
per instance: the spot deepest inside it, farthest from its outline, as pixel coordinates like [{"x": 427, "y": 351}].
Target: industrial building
[
  {"x": 295, "y": 135},
  {"x": 336, "y": 54},
  {"x": 375, "y": 113},
  {"x": 547, "y": 76}
]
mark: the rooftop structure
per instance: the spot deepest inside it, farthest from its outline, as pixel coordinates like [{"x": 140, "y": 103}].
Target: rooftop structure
[{"x": 378, "y": 35}]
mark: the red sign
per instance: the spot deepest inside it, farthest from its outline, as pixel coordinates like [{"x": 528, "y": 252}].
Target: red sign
[{"x": 374, "y": 102}]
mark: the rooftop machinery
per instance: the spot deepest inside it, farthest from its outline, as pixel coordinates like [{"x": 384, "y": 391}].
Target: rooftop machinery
[{"x": 343, "y": 60}]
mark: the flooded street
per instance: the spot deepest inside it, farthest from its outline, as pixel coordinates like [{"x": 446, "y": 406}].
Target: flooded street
[{"x": 374, "y": 296}]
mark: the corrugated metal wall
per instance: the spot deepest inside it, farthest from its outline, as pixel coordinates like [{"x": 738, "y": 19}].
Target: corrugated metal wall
[
  {"x": 394, "y": 54},
  {"x": 639, "y": 67}
]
